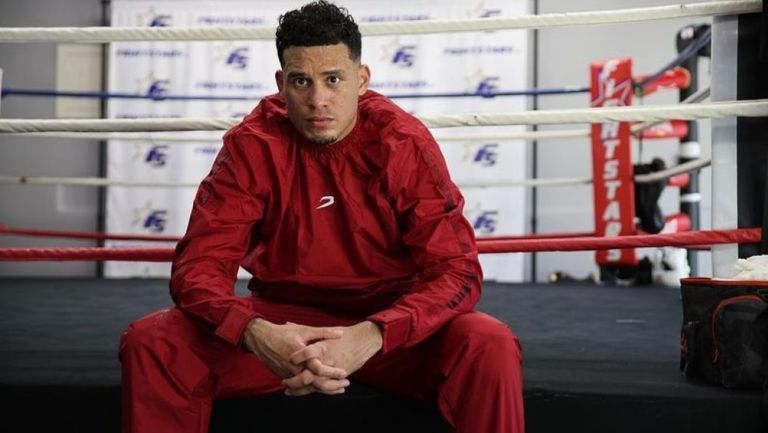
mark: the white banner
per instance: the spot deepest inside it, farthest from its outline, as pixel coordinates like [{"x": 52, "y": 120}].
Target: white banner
[{"x": 401, "y": 65}]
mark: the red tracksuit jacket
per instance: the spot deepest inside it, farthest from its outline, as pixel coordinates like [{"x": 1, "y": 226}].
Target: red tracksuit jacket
[{"x": 371, "y": 226}]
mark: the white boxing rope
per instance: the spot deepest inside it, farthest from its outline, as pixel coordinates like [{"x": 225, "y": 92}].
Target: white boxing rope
[
  {"x": 100, "y": 181},
  {"x": 653, "y": 113},
  {"x": 711, "y": 110},
  {"x": 530, "y": 183},
  {"x": 696, "y": 97},
  {"x": 685, "y": 167},
  {"x": 699, "y": 96},
  {"x": 118, "y": 125},
  {"x": 126, "y": 136},
  {"x": 92, "y": 181},
  {"x": 191, "y": 139},
  {"x": 521, "y": 135},
  {"x": 124, "y": 34}
]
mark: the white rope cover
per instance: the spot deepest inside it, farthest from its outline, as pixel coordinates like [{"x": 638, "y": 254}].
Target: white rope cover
[
  {"x": 685, "y": 167},
  {"x": 712, "y": 110},
  {"x": 530, "y": 183},
  {"x": 122, "y": 34},
  {"x": 92, "y": 181},
  {"x": 118, "y": 125},
  {"x": 100, "y": 181},
  {"x": 700, "y": 95},
  {"x": 190, "y": 139},
  {"x": 697, "y": 96}
]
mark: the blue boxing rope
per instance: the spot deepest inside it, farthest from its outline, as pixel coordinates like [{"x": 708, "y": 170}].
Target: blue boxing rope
[
  {"x": 162, "y": 97},
  {"x": 693, "y": 49},
  {"x": 107, "y": 95}
]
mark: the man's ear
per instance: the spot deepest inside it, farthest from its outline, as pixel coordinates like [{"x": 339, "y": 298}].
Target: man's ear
[
  {"x": 365, "y": 79},
  {"x": 279, "y": 80}
]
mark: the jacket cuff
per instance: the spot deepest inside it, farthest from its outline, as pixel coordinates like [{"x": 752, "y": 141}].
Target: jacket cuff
[
  {"x": 395, "y": 327},
  {"x": 231, "y": 329}
]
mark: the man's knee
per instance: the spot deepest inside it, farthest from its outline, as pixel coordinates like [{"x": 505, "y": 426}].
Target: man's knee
[
  {"x": 149, "y": 331},
  {"x": 488, "y": 338}
]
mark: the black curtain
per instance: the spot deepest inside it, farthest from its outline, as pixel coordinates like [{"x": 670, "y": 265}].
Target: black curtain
[{"x": 752, "y": 135}]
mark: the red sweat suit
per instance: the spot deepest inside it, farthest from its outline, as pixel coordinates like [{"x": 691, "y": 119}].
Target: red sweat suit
[{"x": 369, "y": 228}]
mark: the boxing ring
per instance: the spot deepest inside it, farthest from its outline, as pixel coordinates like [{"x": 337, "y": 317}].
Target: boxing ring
[{"x": 602, "y": 358}]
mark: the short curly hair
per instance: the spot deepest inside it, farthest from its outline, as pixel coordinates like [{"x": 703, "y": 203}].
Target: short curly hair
[{"x": 318, "y": 23}]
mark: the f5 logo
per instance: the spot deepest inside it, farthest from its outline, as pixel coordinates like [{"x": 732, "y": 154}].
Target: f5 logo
[
  {"x": 404, "y": 56},
  {"x": 480, "y": 11},
  {"x": 158, "y": 88},
  {"x": 486, "y": 222},
  {"x": 160, "y": 21},
  {"x": 155, "y": 221},
  {"x": 487, "y": 155},
  {"x": 157, "y": 156},
  {"x": 148, "y": 218},
  {"x": 487, "y": 86},
  {"x": 238, "y": 58},
  {"x": 150, "y": 17},
  {"x": 488, "y": 13}
]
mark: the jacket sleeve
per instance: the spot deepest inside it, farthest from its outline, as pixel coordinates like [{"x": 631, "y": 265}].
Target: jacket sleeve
[
  {"x": 441, "y": 243},
  {"x": 208, "y": 257}
]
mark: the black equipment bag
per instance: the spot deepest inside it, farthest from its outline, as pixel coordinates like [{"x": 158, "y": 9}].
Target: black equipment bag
[{"x": 724, "y": 337}]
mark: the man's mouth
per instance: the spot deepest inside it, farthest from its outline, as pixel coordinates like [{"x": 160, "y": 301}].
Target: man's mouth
[{"x": 320, "y": 121}]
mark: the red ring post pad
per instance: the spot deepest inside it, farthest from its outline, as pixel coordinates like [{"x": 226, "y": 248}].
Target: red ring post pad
[
  {"x": 667, "y": 129},
  {"x": 613, "y": 186},
  {"x": 675, "y": 78}
]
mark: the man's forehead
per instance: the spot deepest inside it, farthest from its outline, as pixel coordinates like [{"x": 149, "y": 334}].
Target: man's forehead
[{"x": 298, "y": 56}]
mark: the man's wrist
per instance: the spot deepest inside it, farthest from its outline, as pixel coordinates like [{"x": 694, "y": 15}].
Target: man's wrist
[
  {"x": 374, "y": 333},
  {"x": 254, "y": 332}
]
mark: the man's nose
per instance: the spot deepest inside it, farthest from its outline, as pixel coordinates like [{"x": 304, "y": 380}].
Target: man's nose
[{"x": 318, "y": 96}]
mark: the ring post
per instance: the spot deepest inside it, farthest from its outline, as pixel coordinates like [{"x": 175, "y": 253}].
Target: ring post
[{"x": 690, "y": 149}]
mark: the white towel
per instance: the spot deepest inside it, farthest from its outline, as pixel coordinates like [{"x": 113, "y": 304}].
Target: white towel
[{"x": 752, "y": 268}]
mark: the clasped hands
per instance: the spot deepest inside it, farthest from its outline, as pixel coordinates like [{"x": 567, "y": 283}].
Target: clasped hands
[{"x": 313, "y": 359}]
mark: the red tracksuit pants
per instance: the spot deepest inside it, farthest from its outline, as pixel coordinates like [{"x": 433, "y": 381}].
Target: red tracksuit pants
[{"x": 173, "y": 369}]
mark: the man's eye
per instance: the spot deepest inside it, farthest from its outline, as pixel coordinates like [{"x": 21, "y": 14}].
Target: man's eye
[
  {"x": 300, "y": 82},
  {"x": 333, "y": 79}
]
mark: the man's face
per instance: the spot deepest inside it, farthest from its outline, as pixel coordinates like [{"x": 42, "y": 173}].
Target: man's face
[{"x": 321, "y": 86}]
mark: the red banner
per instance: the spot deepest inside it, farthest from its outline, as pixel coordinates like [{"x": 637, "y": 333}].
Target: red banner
[{"x": 612, "y": 160}]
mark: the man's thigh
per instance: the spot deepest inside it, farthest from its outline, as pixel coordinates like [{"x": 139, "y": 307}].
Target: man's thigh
[{"x": 418, "y": 371}]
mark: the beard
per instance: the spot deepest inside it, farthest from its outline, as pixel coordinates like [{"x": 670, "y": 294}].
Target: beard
[{"x": 323, "y": 141}]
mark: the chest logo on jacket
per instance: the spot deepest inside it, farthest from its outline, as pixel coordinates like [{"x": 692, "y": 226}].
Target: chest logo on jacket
[{"x": 326, "y": 201}]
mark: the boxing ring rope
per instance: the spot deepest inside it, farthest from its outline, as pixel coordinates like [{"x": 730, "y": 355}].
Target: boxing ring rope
[
  {"x": 5, "y": 230},
  {"x": 590, "y": 243},
  {"x": 83, "y": 235},
  {"x": 183, "y": 139},
  {"x": 711, "y": 110},
  {"x": 640, "y": 85},
  {"x": 531, "y": 183},
  {"x": 159, "y": 98},
  {"x": 125, "y": 34},
  {"x": 699, "y": 96},
  {"x": 685, "y": 167}
]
